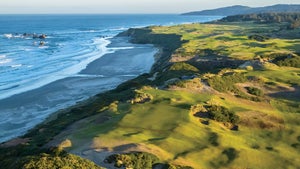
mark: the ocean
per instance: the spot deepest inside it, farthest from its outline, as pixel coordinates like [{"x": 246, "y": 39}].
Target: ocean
[{"x": 30, "y": 61}]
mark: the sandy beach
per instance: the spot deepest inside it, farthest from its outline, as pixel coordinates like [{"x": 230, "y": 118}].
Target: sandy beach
[{"x": 23, "y": 111}]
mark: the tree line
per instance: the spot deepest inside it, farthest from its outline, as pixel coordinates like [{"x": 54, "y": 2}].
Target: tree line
[{"x": 293, "y": 19}]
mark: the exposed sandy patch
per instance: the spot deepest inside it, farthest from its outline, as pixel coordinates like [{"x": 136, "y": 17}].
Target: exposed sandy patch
[
  {"x": 204, "y": 88},
  {"x": 98, "y": 150},
  {"x": 255, "y": 119},
  {"x": 179, "y": 58},
  {"x": 153, "y": 77},
  {"x": 15, "y": 142},
  {"x": 242, "y": 87}
]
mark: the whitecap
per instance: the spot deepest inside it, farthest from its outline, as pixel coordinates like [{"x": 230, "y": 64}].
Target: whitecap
[
  {"x": 18, "y": 36},
  {"x": 122, "y": 48},
  {"x": 87, "y": 75},
  {"x": 17, "y": 65},
  {"x": 9, "y": 35},
  {"x": 119, "y": 29},
  {"x": 129, "y": 75},
  {"x": 43, "y": 47},
  {"x": 4, "y": 60}
]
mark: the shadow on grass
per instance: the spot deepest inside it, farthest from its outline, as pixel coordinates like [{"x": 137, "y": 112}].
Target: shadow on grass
[
  {"x": 131, "y": 134},
  {"x": 231, "y": 154},
  {"x": 184, "y": 106},
  {"x": 157, "y": 139},
  {"x": 213, "y": 139},
  {"x": 226, "y": 157},
  {"x": 230, "y": 38},
  {"x": 290, "y": 95}
]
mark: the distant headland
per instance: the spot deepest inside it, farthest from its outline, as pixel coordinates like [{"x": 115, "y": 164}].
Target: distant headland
[{"x": 239, "y": 9}]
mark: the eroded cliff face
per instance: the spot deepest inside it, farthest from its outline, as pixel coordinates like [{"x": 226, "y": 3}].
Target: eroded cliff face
[{"x": 167, "y": 43}]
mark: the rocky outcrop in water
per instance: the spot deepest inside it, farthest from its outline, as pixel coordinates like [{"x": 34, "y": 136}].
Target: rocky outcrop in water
[{"x": 34, "y": 36}]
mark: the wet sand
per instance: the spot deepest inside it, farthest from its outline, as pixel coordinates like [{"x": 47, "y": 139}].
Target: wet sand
[{"x": 23, "y": 111}]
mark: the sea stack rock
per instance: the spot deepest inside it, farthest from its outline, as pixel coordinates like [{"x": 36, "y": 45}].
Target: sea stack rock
[
  {"x": 42, "y": 36},
  {"x": 42, "y": 43}
]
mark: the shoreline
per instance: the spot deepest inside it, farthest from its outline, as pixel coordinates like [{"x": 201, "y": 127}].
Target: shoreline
[
  {"x": 134, "y": 36},
  {"x": 88, "y": 80},
  {"x": 36, "y": 139}
]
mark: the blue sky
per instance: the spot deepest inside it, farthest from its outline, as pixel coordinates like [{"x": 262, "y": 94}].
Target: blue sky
[{"x": 125, "y": 6}]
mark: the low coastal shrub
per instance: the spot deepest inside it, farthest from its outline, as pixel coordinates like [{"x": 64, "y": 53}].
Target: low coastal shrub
[
  {"x": 222, "y": 114},
  {"x": 182, "y": 66},
  {"x": 214, "y": 112},
  {"x": 285, "y": 59},
  {"x": 293, "y": 61},
  {"x": 140, "y": 160},
  {"x": 254, "y": 91},
  {"x": 176, "y": 70},
  {"x": 259, "y": 38},
  {"x": 191, "y": 84},
  {"x": 197, "y": 108},
  {"x": 171, "y": 166},
  {"x": 50, "y": 161},
  {"x": 141, "y": 97},
  {"x": 137, "y": 160},
  {"x": 226, "y": 82}
]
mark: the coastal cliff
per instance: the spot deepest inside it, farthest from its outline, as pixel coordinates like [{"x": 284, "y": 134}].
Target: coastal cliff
[{"x": 167, "y": 43}]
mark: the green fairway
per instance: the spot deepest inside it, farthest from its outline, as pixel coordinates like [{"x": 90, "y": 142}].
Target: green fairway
[{"x": 267, "y": 131}]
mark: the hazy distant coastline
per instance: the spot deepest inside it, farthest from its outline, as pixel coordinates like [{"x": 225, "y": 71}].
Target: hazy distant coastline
[{"x": 239, "y": 9}]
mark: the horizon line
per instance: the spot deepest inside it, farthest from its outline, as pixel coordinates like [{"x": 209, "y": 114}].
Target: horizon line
[{"x": 91, "y": 13}]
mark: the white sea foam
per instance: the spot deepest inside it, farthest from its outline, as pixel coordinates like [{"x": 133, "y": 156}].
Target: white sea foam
[
  {"x": 18, "y": 36},
  {"x": 17, "y": 65},
  {"x": 4, "y": 60},
  {"x": 122, "y": 48},
  {"x": 129, "y": 75},
  {"x": 102, "y": 42},
  {"x": 79, "y": 31},
  {"x": 119, "y": 29},
  {"x": 87, "y": 75},
  {"x": 37, "y": 82},
  {"x": 43, "y": 47},
  {"x": 9, "y": 35}
]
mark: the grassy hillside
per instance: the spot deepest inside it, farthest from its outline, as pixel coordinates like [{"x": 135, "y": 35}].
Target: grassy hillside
[{"x": 223, "y": 95}]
